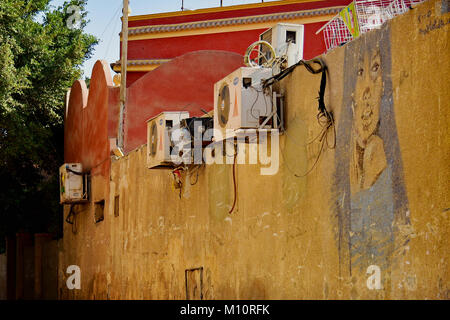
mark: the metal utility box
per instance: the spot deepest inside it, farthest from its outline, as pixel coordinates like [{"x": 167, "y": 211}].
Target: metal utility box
[
  {"x": 200, "y": 124},
  {"x": 160, "y": 136},
  {"x": 198, "y": 134},
  {"x": 72, "y": 183}
]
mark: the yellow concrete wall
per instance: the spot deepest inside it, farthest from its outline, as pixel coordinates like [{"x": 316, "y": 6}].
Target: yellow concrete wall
[{"x": 292, "y": 237}]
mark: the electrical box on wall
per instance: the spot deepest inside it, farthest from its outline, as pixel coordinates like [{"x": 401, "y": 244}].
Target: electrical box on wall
[
  {"x": 197, "y": 134},
  {"x": 161, "y": 134},
  {"x": 240, "y": 102},
  {"x": 73, "y": 184},
  {"x": 287, "y": 40},
  {"x": 197, "y": 128}
]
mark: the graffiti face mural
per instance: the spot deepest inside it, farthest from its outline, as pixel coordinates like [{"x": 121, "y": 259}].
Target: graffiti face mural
[
  {"x": 371, "y": 192},
  {"x": 368, "y": 157},
  {"x": 371, "y": 200}
]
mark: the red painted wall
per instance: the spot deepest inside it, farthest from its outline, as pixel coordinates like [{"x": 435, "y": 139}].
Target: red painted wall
[
  {"x": 314, "y": 44},
  {"x": 168, "y": 48},
  {"x": 87, "y": 127},
  {"x": 242, "y": 12},
  {"x": 73, "y": 130},
  {"x": 184, "y": 83},
  {"x": 238, "y": 42},
  {"x": 95, "y": 122},
  {"x": 133, "y": 76},
  {"x": 113, "y": 111}
]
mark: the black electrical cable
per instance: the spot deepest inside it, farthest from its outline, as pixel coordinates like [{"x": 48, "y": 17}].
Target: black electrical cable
[
  {"x": 74, "y": 172},
  {"x": 72, "y": 221},
  {"x": 197, "y": 169},
  {"x": 308, "y": 65},
  {"x": 323, "y": 84},
  {"x": 254, "y": 103},
  {"x": 70, "y": 215},
  {"x": 324, "y": 117}
]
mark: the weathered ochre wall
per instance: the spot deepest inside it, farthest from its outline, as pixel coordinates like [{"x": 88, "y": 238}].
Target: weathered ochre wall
[{"x": 380, "y": 197}]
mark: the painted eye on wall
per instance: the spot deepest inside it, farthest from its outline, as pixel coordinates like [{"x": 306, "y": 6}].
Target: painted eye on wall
[
  {"x": 360, "y": 71},
  {"x": 375, "y": 67}
]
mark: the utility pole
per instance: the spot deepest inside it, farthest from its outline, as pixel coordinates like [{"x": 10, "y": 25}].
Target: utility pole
[{"x": 123, "y": 84}]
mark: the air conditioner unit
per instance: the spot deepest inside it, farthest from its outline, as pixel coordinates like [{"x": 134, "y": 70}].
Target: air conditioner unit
[
  {"x": 240, "y": 102},
  {"x": 73, "y": 183},
  {"x": 162, "y": 131},
  {"x": 287, "y": 39}
]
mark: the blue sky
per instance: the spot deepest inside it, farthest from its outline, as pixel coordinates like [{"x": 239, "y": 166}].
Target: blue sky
[{"x": 104, "y": 16}]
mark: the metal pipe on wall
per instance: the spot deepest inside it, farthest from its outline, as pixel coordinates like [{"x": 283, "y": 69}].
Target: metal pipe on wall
[{"x": 123, "y": 85}]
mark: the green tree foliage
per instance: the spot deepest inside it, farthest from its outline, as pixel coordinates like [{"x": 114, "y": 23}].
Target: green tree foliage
[{"x": 40, "y": 58}]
